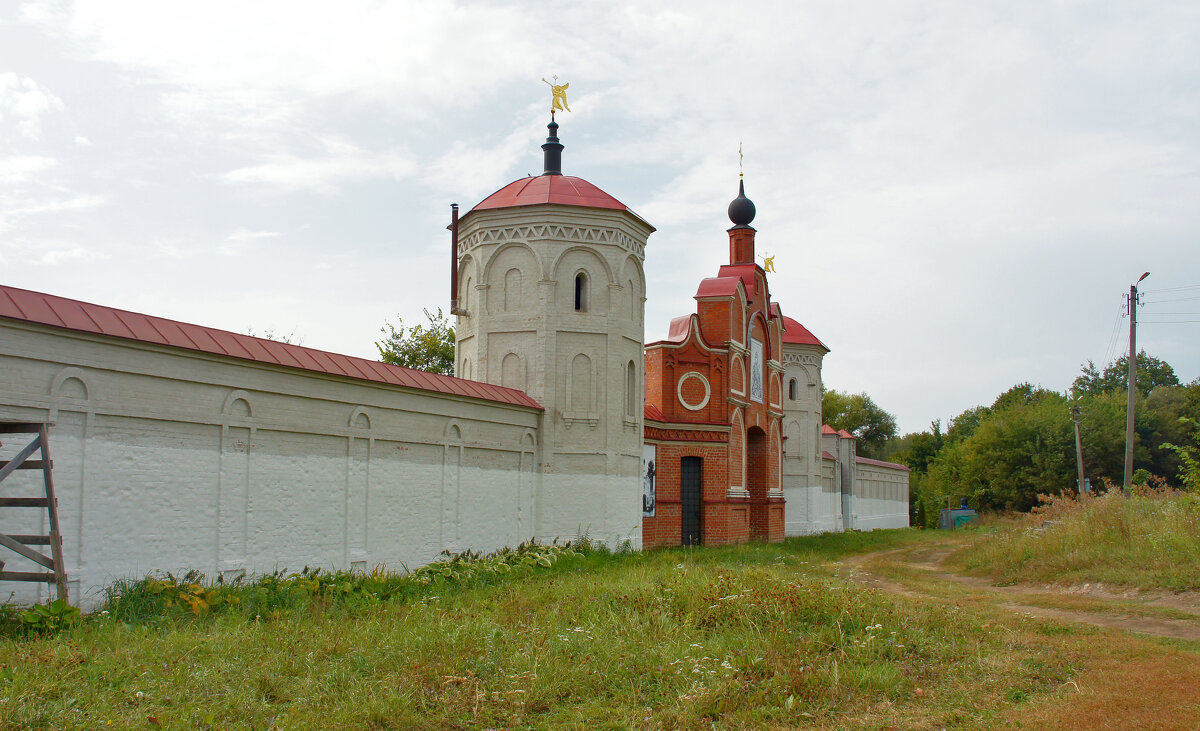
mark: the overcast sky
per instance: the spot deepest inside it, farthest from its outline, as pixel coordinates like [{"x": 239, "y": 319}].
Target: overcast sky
[{"x": 958, "y": 195}]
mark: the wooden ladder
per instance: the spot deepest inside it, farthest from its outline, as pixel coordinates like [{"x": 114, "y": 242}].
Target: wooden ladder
[{"x": 57, "y": 573}]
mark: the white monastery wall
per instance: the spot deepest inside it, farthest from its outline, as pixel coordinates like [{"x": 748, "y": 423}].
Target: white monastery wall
[
  {"x": 825, "y": 495},
  {"x": 171, "y": 460},
  {"x": 880, "y": 497}
]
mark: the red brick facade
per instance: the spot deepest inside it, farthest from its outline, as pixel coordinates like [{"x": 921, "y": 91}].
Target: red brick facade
[{"x": 711, "y": 394}]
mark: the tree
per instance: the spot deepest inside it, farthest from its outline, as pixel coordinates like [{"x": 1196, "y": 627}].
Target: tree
[
  {"x": 920, "y": 448},
  {"x": 1151, "y": 373},
  {"x": 1189, "y": 456},
  {"x": 964, "y": 425},
  {"x": 1022, "y": 394},
  {"x": 425, "y": 348},
  {"x": 858, "y": 414}
]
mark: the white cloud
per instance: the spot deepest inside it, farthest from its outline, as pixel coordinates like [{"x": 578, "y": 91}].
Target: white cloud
[
  {"x": 340, "y": 163},
  {"x": 82, "y": 141},
  {"x": 473, "y": 170},
  {"x": 23, "y": 102},
  {"x": 20, "y": 168},
  {"x": 66, "y": 254},
  {"x": 237, "y": 241},
  {"x": 171, "y": 250},
  {"x": 396, "y": 52},
  {"x": 12, "y": 210}
]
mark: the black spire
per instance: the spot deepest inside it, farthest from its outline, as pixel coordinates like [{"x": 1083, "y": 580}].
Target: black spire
[
  {"x": 552, "y": 150},
  {"x": 741, "y": 209}
]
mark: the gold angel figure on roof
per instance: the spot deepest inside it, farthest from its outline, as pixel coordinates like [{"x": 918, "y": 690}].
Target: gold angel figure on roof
[
  {"x": 769, "y": 263},
  {"x": 559, "y": 100}
]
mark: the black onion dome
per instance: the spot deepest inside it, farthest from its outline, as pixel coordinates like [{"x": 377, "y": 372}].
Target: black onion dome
[{"x": 741, "y": 209}]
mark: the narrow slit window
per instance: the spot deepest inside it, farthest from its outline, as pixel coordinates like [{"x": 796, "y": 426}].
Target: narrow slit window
[
  {"x": 792, "y": 389},
  {"x": 581, "y": 291}
]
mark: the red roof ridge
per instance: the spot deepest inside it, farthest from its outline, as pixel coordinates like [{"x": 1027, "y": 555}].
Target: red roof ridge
[
  {"x": 55, "y": 311},
  {"x": 827, "y": 429},
  {"x": 881, "y": 463}
]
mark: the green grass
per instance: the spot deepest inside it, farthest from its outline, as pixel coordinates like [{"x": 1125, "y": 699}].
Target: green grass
[
  {"x": 1149, "y": 541},
  {"x": 756, "y": 635}
]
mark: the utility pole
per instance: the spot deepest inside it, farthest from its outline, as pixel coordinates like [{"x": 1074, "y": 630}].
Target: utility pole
[
  {"x": 1131, "y": 396},
  {"x": 1078, "y": 448}
]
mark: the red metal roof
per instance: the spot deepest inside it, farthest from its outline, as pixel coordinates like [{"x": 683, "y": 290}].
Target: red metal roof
[
  {"x": 717, "y": 287},
  {"x": 881, "y": 463},
  {"x": 845, "y": 434},
  {"x": 827, "y": 429},
  {"x": 745, "y": 272},
  {"x": 561, "y": 189},
  {"x": 827, "y": 455},
  {"x": 797, "y": 334},
  {"x": 47, "y": 309},
  {"x": 679, "y": 328},
  {"x": 653, "y": 413}
]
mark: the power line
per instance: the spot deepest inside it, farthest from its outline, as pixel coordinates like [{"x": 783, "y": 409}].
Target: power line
[
  {"x": 1166, "y": 322},
  {"x": 1173, "y": 299},
  {"x": 1111, "y": 349},
  {"x": 1172, "y": 289}
]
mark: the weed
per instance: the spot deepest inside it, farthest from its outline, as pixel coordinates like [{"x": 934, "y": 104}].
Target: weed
[
  {"x": 155, "y": 597},
  {"x": 1150, "y": 539},
  {"x": 48, "y": 619}
]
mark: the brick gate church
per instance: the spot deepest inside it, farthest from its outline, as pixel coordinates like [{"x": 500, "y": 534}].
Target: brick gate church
[{"x": 179, "y": 446}]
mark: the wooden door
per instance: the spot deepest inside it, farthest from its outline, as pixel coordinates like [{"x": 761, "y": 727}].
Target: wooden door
[{"x": 691, "y": 476}]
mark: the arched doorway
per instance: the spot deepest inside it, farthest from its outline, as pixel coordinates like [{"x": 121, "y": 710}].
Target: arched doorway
[{"x": 756, "y": 482}]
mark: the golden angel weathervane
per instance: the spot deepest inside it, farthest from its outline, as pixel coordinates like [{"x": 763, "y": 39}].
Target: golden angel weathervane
[{"x": 559, "y": 100}]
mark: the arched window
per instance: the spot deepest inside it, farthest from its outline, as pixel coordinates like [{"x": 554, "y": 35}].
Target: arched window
[
  {"x": 631, "y": 390},
  {"x": 581, "y": 292},
  {"x": 792, "y": 389}
]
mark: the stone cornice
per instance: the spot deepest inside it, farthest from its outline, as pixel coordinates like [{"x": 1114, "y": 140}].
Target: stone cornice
[
  {"x": 802, "y": 359},
  {"x": 684, "y": 435},
  {"x": 575, "y": 234}
]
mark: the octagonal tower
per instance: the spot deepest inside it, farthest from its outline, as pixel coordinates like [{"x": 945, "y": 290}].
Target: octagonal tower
[{"x": 550, "y": 300}]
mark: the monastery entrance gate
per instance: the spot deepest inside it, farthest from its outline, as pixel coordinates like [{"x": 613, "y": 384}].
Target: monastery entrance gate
[{"x": 756, "y": 483}]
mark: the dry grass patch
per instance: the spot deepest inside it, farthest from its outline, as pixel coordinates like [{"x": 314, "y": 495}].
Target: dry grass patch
[{"x": 1150, "y": 540}]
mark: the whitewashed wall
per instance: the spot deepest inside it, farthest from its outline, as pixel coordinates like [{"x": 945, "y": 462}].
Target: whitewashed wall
[
  {"x": 880, "y": 497},
  {"x": 169, "y": 460}
]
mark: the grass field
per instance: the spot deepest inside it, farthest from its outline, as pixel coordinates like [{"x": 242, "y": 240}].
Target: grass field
[
  {"x": 1150, "y": 541},
  {"x": 770, "y": 636}
]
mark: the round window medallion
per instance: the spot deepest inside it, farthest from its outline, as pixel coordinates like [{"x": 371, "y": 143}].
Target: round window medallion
[{"x": 679, "y": 387}]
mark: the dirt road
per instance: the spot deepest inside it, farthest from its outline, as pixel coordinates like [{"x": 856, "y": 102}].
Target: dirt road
[
  {"x": 1137, "y": 678},
  {"x": 1104, "y": 607}
]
